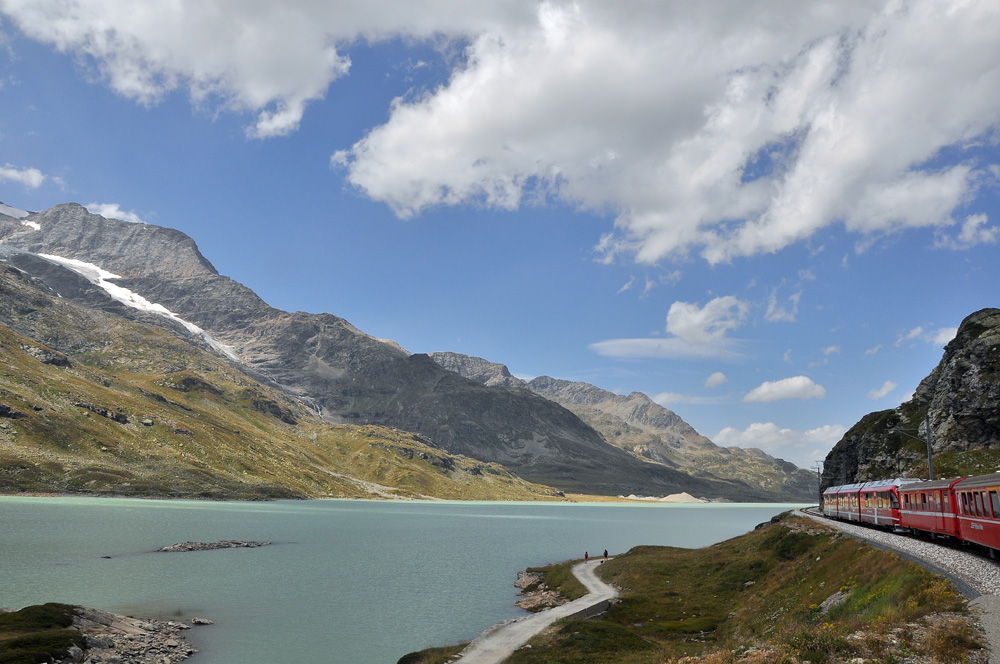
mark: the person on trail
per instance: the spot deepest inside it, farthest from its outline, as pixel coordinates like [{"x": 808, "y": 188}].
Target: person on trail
[
  {"x": 605, "y": 554},
  {"x": 586, "y": 556}
]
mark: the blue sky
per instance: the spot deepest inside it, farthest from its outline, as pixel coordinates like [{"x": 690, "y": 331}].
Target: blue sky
[{"x": 769, "y": 217}]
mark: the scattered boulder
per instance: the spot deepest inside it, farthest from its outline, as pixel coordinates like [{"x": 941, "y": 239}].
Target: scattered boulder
[
  {"x": 527, "y": 581},
  {"x": 541, "y": 600}
]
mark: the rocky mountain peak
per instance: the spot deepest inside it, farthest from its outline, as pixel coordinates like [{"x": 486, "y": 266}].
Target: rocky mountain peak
[
  {"x": 482, "y": 371},
  {"x": 959, "y": 398},
  {"x": 131, "y": 250}
]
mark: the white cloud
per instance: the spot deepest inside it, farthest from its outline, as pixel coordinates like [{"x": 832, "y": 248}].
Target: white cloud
[
  {"x": 732, "y": 130},
  {"x": 803, "y": 448},
  {"x": 944, "y": 335},
  {"x": 716, "y": 379},
  {"x": 672, "y": 348},
  {"x": 702, "y": 325},
  {"x": 915, "y": 333},
  {"x": 32, "y": 178},
  {"x": 782, "y": 312},
  {"x": 887, "y": 387},
  {"x": 114, "y": 211},
  {"x": 797, "y": 387},
  {"x": 267, "y": 58},
  {"x": 729, "y": 129},
  {"x": 974, "y": 231},
  {"x": 831, "y": 350},
  {"x": 874, "y": 350},
  {"x": 939, "y": 337}
]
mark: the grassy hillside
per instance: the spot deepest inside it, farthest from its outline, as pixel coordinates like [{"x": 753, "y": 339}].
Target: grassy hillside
[
  {"x": 138, "y": 411},
  {"x": 790, "y": 591}
]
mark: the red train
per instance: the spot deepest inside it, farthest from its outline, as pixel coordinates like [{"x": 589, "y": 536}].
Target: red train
[{"x": 966, "y": 508}]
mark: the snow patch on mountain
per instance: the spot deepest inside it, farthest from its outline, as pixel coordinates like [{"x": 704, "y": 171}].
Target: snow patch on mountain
[
  {"x": 101, "y": 277},
  {"x": 32, "y": 224}
]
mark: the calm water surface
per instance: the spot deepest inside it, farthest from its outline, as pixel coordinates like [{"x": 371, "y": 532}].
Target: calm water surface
[{"x": 346, "y": 582}]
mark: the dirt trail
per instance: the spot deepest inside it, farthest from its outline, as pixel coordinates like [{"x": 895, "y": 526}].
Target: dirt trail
[{"x": 500, "y": 641}]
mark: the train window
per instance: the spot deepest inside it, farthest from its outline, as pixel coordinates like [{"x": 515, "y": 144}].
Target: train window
[
  {"x": 937, "y": 501},
  {"x": 965, "y": 503},
  {"x": 947, "y": 508},
  {"x": 893, "y": 501},
  {"x": 995, "y": 502},
  {"x": 979, "y": 503},
  {"x": 923, "y": 501}
]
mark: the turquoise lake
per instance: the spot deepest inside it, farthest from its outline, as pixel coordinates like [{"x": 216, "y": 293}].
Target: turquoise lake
[{"x": 346, "y": 582}]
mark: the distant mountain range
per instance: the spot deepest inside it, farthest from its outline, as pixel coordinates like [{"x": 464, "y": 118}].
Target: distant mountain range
[
  {"x": 130, "y": 319},
  {"x": 959, "y": 401},
  {"x": 649, "y": 431}
]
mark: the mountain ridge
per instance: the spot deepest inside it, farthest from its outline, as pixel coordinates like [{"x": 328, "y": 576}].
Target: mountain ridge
[
  {"x": 647, "y": 430},
  {"x": 337, "y": 371}
]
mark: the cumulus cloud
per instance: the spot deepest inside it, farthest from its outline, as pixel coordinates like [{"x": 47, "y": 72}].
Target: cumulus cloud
[
  {"x": 716, "y": 379},
  {"x": 886, "y": 388},
  {"x": 944, "y": 335},
  {"x": 31, "y": 178},
  {"x": 267, "y": 58},
  {"x": 874, "y": 350},
  {"x": 803, "y": 448},
  {"x": 732, "y": 131},
  {"x": 726, "y": 129},
  {"x": 114, "y": 211},
  {"x": 797, "y": 387},
  {"x": 831, "y": 350},
  {"x": 696, "y": 332},
  {"x": 939, "y": 337},
  {"x": 974, "y": 231},
  {"x": 700, "y": 325}
]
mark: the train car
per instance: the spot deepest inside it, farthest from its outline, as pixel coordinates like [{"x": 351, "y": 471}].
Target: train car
[
  {"x": 830, "y": 502},
  {"x": 977, "y": 500},
  {"x": 841, "y": 502},
  {"x": 930, "y": 507},
  {"x": 879, "y": 502}
]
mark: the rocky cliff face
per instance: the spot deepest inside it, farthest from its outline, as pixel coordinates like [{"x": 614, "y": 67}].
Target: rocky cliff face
[
  {"x": 647, "y": 430},
  {"x": 341, "y": 373},
  {"x": 961, "y": 401}
]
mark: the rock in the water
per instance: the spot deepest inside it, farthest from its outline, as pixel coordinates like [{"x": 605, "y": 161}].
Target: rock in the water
[{"x": 207, "y": 546}]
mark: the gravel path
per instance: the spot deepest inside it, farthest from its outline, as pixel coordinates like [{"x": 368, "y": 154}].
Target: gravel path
[
  {"x": 500, "y": 641},
  {"x": 977, "y": 577}
]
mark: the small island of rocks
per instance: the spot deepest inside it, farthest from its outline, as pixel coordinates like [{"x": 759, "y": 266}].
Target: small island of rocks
[{"x": 208, "y": 546}]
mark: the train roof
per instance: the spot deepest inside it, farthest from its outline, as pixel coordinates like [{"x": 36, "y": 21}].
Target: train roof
[
  {"x": 885, "y": 485},
  {"x": 979, "y": 481},
  {"x": 924, "y": 485},
  {"x": 874, "y": 485},
  {"x": 844, "y": 488}
]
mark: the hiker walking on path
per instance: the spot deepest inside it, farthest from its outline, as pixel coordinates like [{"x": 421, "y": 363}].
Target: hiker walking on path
[{"x": 586, "y": 556}]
